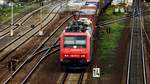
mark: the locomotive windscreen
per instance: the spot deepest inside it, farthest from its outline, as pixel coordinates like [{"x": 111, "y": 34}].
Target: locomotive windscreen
[{"x": 75, "y": 41}]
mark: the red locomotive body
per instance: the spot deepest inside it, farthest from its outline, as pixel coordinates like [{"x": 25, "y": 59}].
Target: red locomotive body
[
  {"x": 76, "y": 39},
  {"x": 76, "y": 43}
]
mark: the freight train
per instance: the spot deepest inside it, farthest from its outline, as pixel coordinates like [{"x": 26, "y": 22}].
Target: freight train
[{"x": 77, "y": 39}]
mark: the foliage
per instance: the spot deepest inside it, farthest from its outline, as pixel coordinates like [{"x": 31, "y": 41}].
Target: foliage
[{"x": 110, "y": 40}]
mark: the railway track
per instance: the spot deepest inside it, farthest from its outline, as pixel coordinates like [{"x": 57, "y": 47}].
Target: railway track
[
  {"x": 103, "y": 23},
  {"x": 73, "y": 78},
  {"x": 38, "y": 57},
  {"x": 5, "y": 51},
  {"x": 22, "y": 30},
  {"x": 136, "y": 72},
  {"x": 55, "y": 34},
  {"x": 146, "y": 34},
  {"x": 28, "y": 67},
  {"x": 19, "y": 46},
  {"x": 20, "y": 21},
  {"x": 113, "y": 20}
]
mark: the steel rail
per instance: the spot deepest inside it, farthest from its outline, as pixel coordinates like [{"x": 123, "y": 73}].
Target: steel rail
[
  {"x": 3, "y": 57},
  {"x": 29, "y": 15},
  {"x": 66, "y": 74},
  {"x": 113, "y": 20},
  {"x": 29, "y": 29},
  {"x": 135, "y": 76},
  {"x": 43, "y": 50},
  {"x": 34, "y": 68},
  {"x": 118, "y": 19},
  {"x": 33, "y": 55},
  {"x": 51, "y": 34},
  {"x": 147, "y": 37},
  {"x": 130, "y": 50},
  {"x": 64, "y": 78},
  {"x": 143, "y": 54},
  {"x": 130, "y": 46},
  {"x": 47, "y": 53},
  {"x": 81, "y": 78},
  {"x": 24, "y": 20}
]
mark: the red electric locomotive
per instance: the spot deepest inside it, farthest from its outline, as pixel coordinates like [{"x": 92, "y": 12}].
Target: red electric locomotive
[
  {"x": 76, "y": 43},
  {"x": 76, "y": 39}
]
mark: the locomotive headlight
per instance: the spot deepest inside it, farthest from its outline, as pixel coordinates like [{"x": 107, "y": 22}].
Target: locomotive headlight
[
  {"x": 66, "y": 55},
  {"x": 83, "y": 56}
]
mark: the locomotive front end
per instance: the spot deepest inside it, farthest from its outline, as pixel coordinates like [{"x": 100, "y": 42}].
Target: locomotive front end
[{"x": 75, "y": 49}]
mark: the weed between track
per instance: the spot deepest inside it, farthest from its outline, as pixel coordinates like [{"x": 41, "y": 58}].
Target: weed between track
[{"x": 108, "y": 42}]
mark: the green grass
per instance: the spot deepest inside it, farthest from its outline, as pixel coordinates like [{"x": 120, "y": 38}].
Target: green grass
[
  {"x": 147, "y": 17},
  {"x": 109, "y": 14},
  {"x": 108, "y": 42}
]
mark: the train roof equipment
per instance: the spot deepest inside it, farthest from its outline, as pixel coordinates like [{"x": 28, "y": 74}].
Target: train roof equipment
[
  {"x": 75, "y": 48},
  {"x": 88, "y": 10},
  {"x": 118, "y": 2},
  {"x": 80, "y": 25},
  {"x": 94, "y": 2},
  {"x": 75, "y": 4}
]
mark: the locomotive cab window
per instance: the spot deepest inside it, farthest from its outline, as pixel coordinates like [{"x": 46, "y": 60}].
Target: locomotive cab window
[{"x": 75, "y": 41}]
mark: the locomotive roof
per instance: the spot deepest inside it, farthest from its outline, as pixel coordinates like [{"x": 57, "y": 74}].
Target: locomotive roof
[
  {"x": 92, "y": 0},
  {"x": 76, "y": 2},
  {"x": 90, "y": 6},
  {"x": 87, "y": 10},
  {"x": 80, "y": 25}
]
